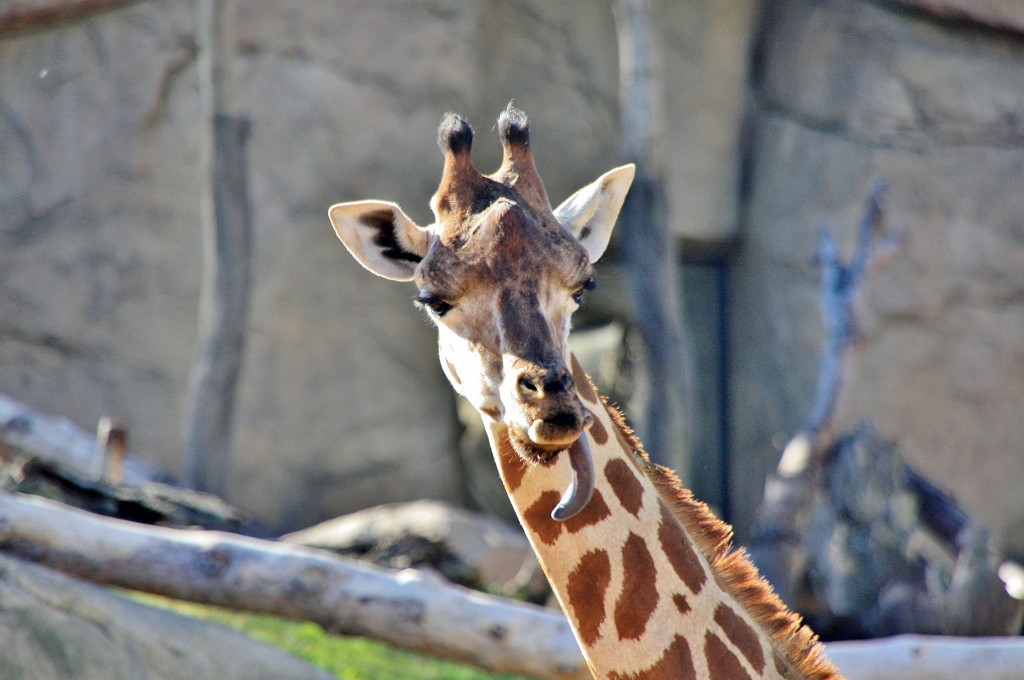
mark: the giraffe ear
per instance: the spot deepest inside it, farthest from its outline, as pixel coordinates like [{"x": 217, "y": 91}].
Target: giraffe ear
[
  {"x": 591, "y": 212},
  {"x": 381, "y": 237}
]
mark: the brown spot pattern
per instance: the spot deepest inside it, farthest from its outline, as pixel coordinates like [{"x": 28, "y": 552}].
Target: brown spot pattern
[
  {"x": 681, "y": 603},
  {"x": 595, "y": 512},
  {"x": 680, "y": 553},
  {"x": 626, "y": 486},
  {"x": 598, "y": 432},
  {"x": 455, "y": 375},
  {"x": 512, "y": 466},
  {"x": 741, "y": 635},
  {"x": 588, "y": 582},
  {"x": 538, "y": 517},
  {"x": 639, "y": 595},
  {"x": 722, "y": 663},
  {"x": 675, "y": 664},
  {"x": 583, "y": 384},
  {"x": 781, "y": 666}
]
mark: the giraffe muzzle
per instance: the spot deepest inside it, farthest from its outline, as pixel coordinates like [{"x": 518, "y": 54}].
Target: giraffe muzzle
[
  {"x": 555, "y": 424},
  {"x": 560, "y": 429}
]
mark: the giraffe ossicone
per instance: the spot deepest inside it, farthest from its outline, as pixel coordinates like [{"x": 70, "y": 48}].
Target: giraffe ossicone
[{"x": 646, "y": 575}]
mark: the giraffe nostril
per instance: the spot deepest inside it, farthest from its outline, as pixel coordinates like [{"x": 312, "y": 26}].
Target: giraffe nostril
[
  {"x": 558, "y": 382},
  {"x": 545, "y": 383},
  {"x": 527, "y": 385}
]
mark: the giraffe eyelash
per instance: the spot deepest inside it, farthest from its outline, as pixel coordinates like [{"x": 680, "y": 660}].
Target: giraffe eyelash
[
  {"x": 434, "y": 303},
  {"x": 580, "y": 294}
]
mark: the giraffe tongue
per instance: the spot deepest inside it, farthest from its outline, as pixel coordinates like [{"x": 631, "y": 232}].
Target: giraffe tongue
[{"x": 581, "y": 488}]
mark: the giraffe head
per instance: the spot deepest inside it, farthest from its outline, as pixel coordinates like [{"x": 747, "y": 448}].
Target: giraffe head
[{"x": 500, "y": 273}]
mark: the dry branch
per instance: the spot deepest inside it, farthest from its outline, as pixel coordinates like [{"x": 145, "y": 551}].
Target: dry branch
[
  {"x": 58, "y": 440},
  {"x": 410, "y": 609},
  {"x": 227, "y": 253},
  {"x": 789, "y": 492},
  {"x": 472, "y": 549},
  {"x": 23, "y": 16},
  {"x": 665, "y": 408},
  {"x": 919, "y": 657}
]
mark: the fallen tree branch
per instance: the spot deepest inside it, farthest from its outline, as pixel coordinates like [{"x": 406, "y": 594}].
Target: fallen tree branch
[
  {"x": 921, "y": 657},
  {"x": 58, "y": 440},
  {"x": 474, "y": 550},
  {"x": 410, "y": 609}
]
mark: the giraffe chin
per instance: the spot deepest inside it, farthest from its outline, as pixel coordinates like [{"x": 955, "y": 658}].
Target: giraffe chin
[{"x": 534, "y": 452}]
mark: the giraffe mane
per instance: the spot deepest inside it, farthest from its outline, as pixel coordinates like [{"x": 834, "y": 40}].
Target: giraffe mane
[{"x": 799, "y": 645}]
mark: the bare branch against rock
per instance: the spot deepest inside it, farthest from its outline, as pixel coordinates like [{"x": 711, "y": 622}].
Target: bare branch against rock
[
  {"x": 789, "y": 492},
  {"x": 841, "y": 287},
  {"x": 227, "y": 248},
  {"x": 24, "y": 16},
  {"x": 414, "y": 610},
  {"x": 848, "y": 532},
  {"x": 665, "y": 378}
]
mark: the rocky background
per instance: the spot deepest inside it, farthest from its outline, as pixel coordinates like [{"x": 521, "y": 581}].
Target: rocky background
[
  {"x": 930, "y": 97},
  {"x": 778, "y": 117}
]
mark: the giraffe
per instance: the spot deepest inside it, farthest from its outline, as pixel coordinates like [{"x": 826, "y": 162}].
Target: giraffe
[{"x": 645, "y": 573}]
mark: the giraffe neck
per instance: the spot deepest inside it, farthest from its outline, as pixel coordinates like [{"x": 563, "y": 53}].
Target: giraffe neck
[{"x": 646, "y": 575}]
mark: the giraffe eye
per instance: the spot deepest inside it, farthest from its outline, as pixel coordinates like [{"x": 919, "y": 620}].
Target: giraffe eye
[
  {"x": 581, "y": 292},
  {"x": 433, "y": 303}
]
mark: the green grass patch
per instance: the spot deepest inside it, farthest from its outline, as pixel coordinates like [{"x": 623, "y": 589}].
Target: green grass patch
[{"x": 347, "y": 658}]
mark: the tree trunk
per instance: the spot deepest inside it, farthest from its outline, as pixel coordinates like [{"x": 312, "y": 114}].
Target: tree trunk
[
  {"x": 227, "y": 246},
  {"x": 411, "y": 609},
  {"x": 25, "y": 16},
  {"x": 663, "y": 411}
]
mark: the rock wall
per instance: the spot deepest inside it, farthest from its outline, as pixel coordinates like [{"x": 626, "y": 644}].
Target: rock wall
[
  {"x": 102, "y": 261},
  {"x": 845, "y": 93}
]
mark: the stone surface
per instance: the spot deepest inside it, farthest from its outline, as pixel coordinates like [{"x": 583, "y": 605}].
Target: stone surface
[
  {"x": 55, "y": 627},
  {"x": 847, "y": 93},
  {"x": 101, "y": 265}
]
